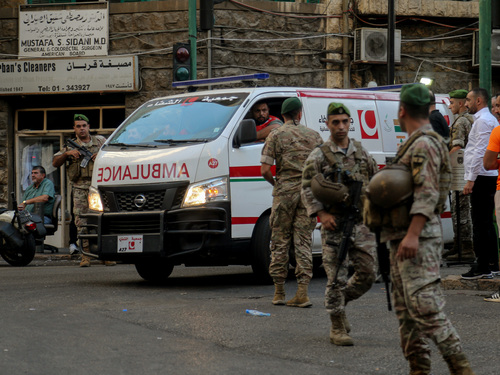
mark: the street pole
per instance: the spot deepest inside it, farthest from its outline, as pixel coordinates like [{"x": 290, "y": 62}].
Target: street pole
[
  {"x": 192, "y": 35},
  {"x": 391, "y": 21},
  {"x": 485, "y": 44}
]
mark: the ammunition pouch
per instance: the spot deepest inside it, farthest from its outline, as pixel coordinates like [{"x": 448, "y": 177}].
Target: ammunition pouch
[
  {"x": 396, "y": 217},
  {"x": 74, "y": 170}
]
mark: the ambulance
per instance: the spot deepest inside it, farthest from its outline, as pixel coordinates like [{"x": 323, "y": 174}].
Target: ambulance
[{"x": 179, "y": 180}]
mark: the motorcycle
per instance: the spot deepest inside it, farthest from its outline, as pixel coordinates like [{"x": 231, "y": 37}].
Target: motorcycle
[{"x": 20, "y": 231}]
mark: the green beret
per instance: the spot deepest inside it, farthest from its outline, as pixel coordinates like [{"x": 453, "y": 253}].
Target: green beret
[
  {"x": 291, "y": 104},
  {"x": 337, "y": 109},
  {"x": 415, "y": 94},
  {"x": 79, "y": 117},
  {"x": 458, "y": 94}
]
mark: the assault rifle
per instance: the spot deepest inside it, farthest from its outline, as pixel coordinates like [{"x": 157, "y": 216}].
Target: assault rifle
[
  {"x": 349, "y": 221},
  {"x": 87, "y": 155},
  {"x": 384, "y": 266}
]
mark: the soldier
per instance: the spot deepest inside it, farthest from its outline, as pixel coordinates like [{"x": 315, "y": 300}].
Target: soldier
[
  {"x": 339, "y": 155},
  {"x": 289, "y": 145},
  {"x": 415, "y": 238},
  {"x": 80, "y": 178},
  {"x": 459, "y": 135}
]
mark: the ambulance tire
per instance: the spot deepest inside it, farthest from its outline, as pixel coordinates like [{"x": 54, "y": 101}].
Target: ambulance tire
[
  {"x": 260, "y": 250},
  {"x": 155, "y": 271}
]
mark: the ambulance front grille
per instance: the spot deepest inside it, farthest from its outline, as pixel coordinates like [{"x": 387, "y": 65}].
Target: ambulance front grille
[{"x": 161, "y": 197}]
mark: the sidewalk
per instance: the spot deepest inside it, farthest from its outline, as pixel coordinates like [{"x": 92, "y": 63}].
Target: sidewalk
[{"x": 450, "y": 276}]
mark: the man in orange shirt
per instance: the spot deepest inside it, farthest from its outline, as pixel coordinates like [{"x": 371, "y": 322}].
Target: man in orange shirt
[{"x": 490, "y": 162}]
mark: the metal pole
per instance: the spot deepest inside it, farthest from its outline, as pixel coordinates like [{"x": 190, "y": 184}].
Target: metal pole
[
  {"x": 391, "y": 21},
  {"x": 209, "y": 56},
  {"x": 485, "y": 44},
  {"x": 192, "y": 35},
  {"x": 345, "y": 43}
]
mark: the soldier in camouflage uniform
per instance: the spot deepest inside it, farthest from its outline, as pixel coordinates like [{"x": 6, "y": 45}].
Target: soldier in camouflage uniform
[
  {"x": 338, "y": 155},
  {"x": 289, "y": 145},
  {"x": 459, "y": 135},
  {"x": 80, "y": 178},
  {"x": 415, "y": 249}
]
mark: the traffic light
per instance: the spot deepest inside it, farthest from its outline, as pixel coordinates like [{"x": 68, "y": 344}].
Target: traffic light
[
  {"x": 181, "y": 62},
  {"x": 206, "y": 14}
]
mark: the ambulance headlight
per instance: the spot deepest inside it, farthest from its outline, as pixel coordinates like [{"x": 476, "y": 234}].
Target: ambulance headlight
[
  {"x": 207, "y": 191},
  {"x": 95, "y": 203}
]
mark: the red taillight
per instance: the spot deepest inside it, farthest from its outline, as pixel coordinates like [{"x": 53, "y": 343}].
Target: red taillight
[{"x": 31, "y": 226}]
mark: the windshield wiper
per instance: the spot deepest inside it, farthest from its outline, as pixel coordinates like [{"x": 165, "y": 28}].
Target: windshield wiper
[
  {"x": 132, "y": 145},
  {"x": 174, "y": 141}
]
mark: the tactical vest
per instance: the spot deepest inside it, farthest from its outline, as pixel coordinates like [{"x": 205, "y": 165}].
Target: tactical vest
[
  {"x": 75, "y": 172},
  {"x": 360, "y": 171},
  {"x": 445, "y": 166}
]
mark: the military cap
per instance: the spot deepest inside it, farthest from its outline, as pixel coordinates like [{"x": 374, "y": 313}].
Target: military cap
[
  {"x": 415, "y": 94},
  {"x": 458, "y": 94},
  {"x": 79, "y": 117},
  {"x": 291, "y": 104},
  {"x": 337, "y": 109}
]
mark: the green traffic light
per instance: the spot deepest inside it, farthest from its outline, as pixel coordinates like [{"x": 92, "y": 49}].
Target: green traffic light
[{"x": 182, "y": 74}]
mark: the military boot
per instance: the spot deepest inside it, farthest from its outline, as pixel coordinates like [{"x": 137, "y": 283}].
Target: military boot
[
  {"x": 345, "y": 321},
  {"x": 301, "y": 299},
  {"x": 338, "y": 333},
  {"x": 458, "y": 364},
  {"x": 279, "y": 294},
  {"x": 85, "y": 262},
  {"x": 450, "y": 252},
  {"x": 419, "y": 365},
  {"x": 467, "y": 253}
]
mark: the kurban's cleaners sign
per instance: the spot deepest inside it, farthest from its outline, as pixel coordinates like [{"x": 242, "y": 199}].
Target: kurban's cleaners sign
[{"x": 63, "y": 31}]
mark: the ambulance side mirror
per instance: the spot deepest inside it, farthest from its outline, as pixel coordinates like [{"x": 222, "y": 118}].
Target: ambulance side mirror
[{"x": 246, "y": 133}]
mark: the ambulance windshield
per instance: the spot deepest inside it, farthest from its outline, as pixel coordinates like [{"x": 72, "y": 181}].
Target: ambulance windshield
[{"x": 169, "y": 121}]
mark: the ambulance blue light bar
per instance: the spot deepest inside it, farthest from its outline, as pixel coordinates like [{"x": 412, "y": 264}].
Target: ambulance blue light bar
[
  {"x": 384, "y": 88},
  {"x": 221, "y": 80}
]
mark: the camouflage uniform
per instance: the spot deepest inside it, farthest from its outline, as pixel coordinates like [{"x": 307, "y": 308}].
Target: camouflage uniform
[
  {"x": 290, "y": 145},
  {"x": 418, "y": 299},
  {"x": 459, "y": 135},
  {"x": 80, "y": 180},
  {"x": 362, "y": 252}
]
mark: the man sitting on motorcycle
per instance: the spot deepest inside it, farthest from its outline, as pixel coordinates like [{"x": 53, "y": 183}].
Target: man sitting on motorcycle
[{"x": 41, "y": 190}]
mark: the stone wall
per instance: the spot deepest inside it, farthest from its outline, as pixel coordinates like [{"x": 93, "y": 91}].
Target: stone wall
[{"x": 4, "y": 154}]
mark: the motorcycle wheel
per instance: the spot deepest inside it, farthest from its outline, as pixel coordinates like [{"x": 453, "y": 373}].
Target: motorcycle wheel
[{"x": 19, "y": 256}]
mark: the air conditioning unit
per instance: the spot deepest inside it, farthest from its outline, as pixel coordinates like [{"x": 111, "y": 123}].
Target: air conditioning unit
[
  {"x": 495, "y": 48},
  {"x": 370, "y": 45}
]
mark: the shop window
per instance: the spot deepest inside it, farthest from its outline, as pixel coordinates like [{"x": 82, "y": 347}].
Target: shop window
[
  {"x": 63, "y": 119},
  {"x": 37, "y": 151},
  {"x": 112, "y": 117},
  {"x": 30, "y": 120}
]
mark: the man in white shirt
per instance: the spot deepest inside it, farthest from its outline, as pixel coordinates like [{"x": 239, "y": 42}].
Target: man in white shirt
[{"x": 481, "y": 185}]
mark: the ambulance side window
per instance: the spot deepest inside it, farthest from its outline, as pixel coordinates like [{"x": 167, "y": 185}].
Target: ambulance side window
[{"x": 266, "y": 110}]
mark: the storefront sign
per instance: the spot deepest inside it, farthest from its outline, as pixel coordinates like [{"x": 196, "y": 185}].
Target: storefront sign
[
  {"x": 79, "y": 31},
  {"x": 81, "y": 75}
]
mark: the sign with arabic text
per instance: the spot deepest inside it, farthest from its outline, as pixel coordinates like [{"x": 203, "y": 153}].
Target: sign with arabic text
[
  {"x": 78, "y": 30},
  {"x": 80, "y": 75}
]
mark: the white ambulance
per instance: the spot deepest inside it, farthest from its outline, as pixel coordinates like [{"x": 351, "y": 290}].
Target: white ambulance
[{"x": 179, "y": 181}]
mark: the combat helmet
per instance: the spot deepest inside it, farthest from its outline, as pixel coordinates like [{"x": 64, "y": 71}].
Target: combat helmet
[
  {"x": 390, "y": 186},
  {"x": 328, "y": 192}
]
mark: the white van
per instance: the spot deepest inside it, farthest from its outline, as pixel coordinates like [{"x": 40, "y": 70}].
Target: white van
[{"x": 179, "y": 181}]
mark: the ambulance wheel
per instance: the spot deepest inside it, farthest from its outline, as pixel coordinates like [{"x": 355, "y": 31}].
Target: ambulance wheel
[
  {"x": 155, "y": 271},
  {"x": 20, "y": 256},
  {"x": 260, "y": 250}
]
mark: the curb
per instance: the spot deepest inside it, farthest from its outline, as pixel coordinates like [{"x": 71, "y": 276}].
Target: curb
[{"x": 455, "y": 282}]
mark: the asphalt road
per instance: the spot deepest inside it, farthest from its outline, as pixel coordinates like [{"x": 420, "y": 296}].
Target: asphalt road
[{"x": 106, "y": 320}]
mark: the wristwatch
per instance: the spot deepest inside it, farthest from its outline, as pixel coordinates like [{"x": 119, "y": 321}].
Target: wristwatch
[{"x": 24, "y": 202}]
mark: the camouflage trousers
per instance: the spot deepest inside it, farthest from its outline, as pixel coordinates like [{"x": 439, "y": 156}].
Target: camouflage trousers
[
  {"x": 419, "y": 301},
  {"x": 361, "y": 255},
  {"x": 81, "y": 206},
  {"x": 291, "y": 231},
  {"x": 465, "y": 215}
]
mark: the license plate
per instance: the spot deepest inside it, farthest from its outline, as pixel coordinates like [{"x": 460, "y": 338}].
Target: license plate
[{"x": 130, "y": 244}]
